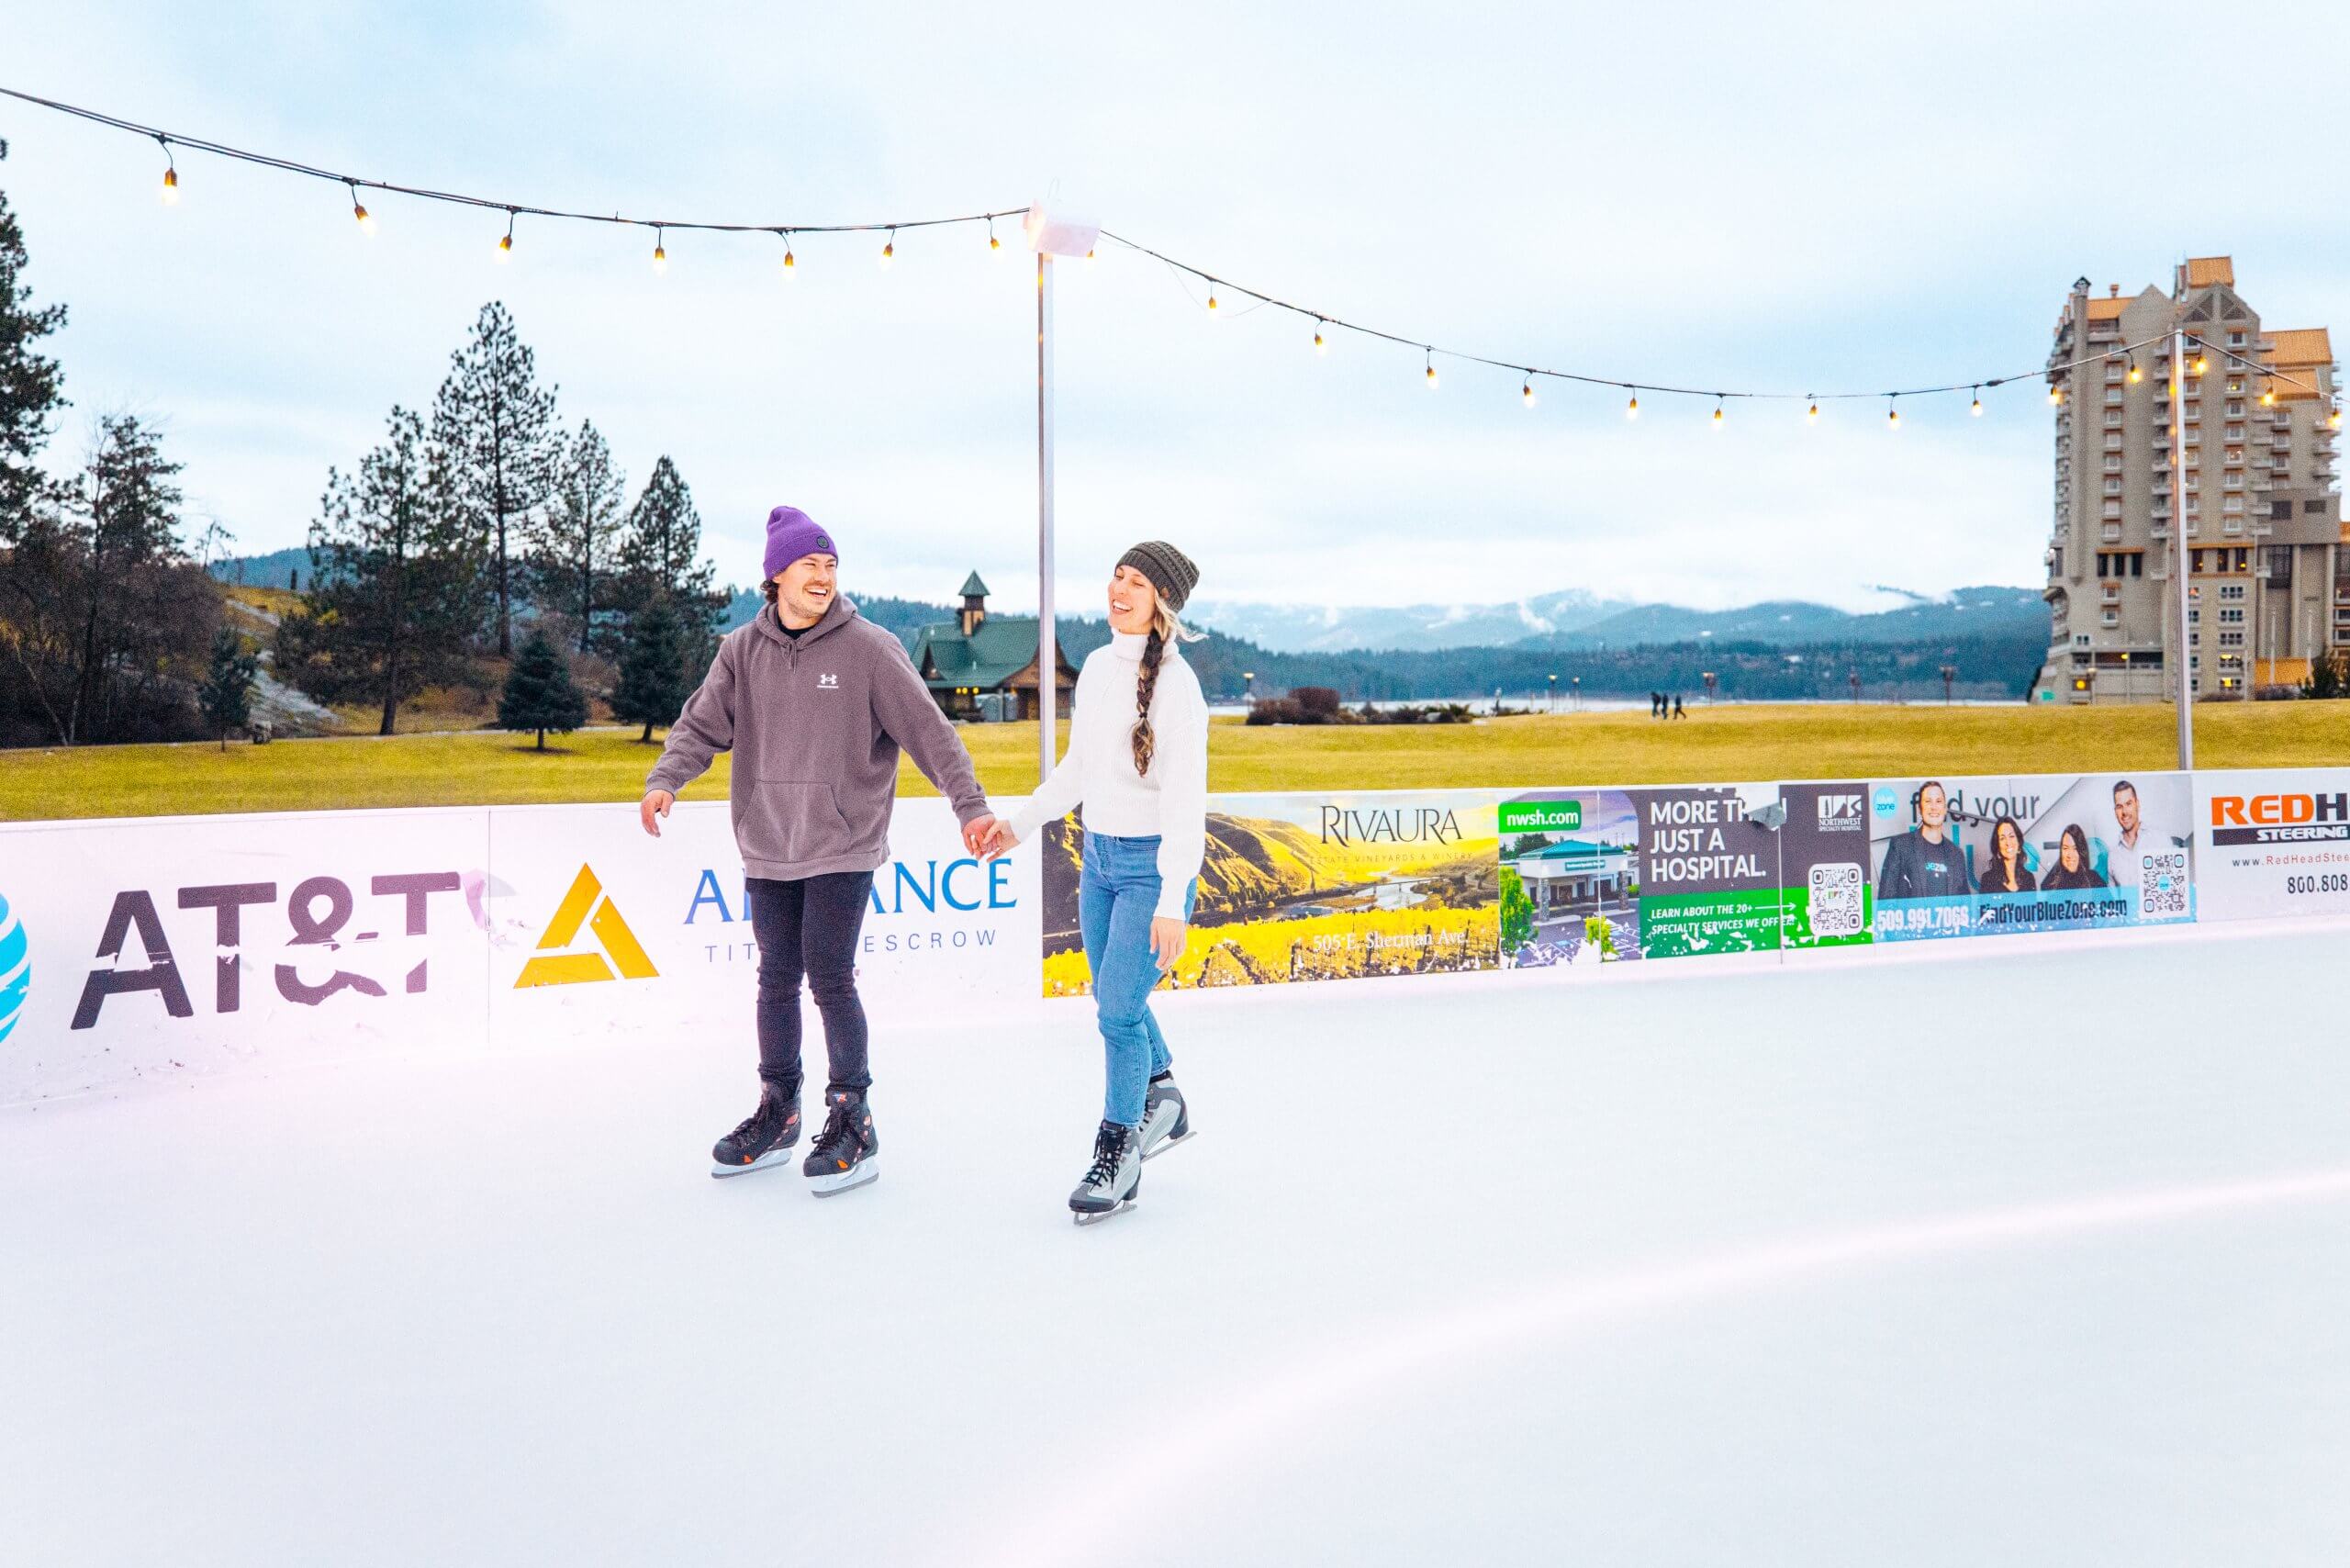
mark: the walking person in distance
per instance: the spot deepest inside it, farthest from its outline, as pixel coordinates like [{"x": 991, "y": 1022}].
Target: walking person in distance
[
  {"x": 1137, "y": 768},
  {"x": 814, "y": 701}
]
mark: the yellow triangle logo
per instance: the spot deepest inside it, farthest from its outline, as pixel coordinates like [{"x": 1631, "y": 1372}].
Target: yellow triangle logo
[{"x": 616, "y": 946}]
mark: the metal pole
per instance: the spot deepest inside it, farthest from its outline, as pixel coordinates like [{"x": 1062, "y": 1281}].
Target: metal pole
[
  {"x": 1047, "y": 660},
  {"x": 2182, "y": 662}
]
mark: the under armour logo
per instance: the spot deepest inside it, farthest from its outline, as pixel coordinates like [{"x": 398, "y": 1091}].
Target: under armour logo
[{"x": 828, "y": 683}]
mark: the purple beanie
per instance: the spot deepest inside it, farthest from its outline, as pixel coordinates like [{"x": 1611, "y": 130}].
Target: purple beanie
[{"x": 792, "y": 534}]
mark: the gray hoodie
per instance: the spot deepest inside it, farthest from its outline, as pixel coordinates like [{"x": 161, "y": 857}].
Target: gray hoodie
[{"x": 815, "y": 724}]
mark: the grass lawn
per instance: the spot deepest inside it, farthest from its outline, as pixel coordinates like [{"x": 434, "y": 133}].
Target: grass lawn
[{"x": 1721, "y": 744}]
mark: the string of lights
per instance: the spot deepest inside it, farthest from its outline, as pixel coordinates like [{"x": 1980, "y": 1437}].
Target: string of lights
[
  {"x": 1325, "y": 324},
  {"x": 354, "y": 184}
]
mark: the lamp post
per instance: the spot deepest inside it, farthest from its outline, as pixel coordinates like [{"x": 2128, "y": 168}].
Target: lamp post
[
  {"x": 2180, "y": 659},
  {"x": 1049, "y": 236},
  {"x": 1856, "y": 686},
  {"x": 1576, "y": 696},
  {"x": 1711, "y": 680},
  {"x": 1949, "y": 674},
  {"x": 1248, "y": 686},
  {"x": 1554, "y": 694}
]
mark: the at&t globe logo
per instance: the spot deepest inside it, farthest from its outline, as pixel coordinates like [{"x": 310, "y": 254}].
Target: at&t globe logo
[{"x": 16, "y": 969}]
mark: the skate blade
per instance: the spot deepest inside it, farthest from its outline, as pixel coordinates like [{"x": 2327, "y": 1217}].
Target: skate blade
[
  {"x": 1163, "y": 1144},
  {"x": 1097, "y": 1215},
  {"x": 857, "y": 1176},
  {"x": 773, "y": 1156}
]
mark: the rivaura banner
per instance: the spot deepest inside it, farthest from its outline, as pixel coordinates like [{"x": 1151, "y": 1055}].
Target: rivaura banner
[{"x": 1307, "y": 887}]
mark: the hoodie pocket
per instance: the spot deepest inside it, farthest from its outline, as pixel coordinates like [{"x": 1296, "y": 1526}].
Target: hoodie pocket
[{"x": 792, "y": 820}]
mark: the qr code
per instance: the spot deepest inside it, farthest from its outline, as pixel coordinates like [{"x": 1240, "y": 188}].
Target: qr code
[
  {"x": 2162, "y": 884},
  {"x": 1836, "y": 901}
]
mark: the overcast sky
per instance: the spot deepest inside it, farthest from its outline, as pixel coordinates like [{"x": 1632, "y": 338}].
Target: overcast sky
[{"x": 1823, "y": 198}]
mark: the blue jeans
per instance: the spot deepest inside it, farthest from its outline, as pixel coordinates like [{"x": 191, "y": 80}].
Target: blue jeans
[{"x": 1116, "y": 897}]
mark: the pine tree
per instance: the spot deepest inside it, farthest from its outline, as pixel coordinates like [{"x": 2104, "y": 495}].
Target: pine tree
[
  {"x": 658, "y": 560},
  {"x": 226, "y": 695},
  {"x": 396, "y": 580},
  {"x": 652, "y": 669},
  {"x": 107, "y": 620},
  {"x": 540, "y": 694},
  {"x": 498, "y": 426},
  {"x": 32, "y": 388},
  {"x": 575, "y": 543}
]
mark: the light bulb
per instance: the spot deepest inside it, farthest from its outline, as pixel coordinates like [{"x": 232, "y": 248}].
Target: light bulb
[
  {"x": 1893, "y": 419},
  {"x": 994, "y": 244},
  {"x": 889, "y": 248},
  {"x": 2334, "y": 419},
  {"x": 1211, "y": 296},
  {"x": 791, "y": 263},
  {"x": 1812, "y": 415},
  {"x": 1717, "y": 413},
  {"x": 1088, "y": 253},
  {"x": 1526, "y": 392},
  {"x": 171, "y": 186},
  {"x": 1632, "y": 409},
  {"x": 1319, "y": 346},
  {"x": 1977, "y": 408},
  {"x": 2202, "y": 364},
  {"x": 506, "y": 242},
  {"x": 2135, "y": 373},
  {"x": 2055, "y": 394},
  {"x": 1432, "y": 378},
  {"x": 359, "y": 213},
  {"x": 660, "y": 253},
  {"x": 2268, "y": 398}
]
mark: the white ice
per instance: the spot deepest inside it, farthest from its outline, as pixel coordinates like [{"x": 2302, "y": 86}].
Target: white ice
[{"x": 2014, "y": 1252}]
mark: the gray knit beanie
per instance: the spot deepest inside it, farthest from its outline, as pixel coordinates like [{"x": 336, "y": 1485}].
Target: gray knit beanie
[{"x": 1170, "y": 571}]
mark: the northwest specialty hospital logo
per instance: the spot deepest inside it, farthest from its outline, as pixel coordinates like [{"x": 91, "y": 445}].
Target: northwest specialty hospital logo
[{"x": 16, "y": 969}]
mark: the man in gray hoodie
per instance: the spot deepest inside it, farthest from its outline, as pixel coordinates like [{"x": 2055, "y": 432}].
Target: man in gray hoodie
[{"x": 814, "y": 701}]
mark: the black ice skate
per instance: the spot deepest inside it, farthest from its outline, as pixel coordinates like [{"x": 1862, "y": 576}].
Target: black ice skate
[
  {"x": 844, "y": 1152},
  {"x": 1115, "y": 1177},
  {"x": 765, "y": 1138},
  {"x": 1165, "y": 1120}
]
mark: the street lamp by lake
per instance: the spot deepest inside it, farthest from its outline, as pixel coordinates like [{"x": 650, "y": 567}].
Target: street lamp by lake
[
  {"x": 1950, "y": 674},
  {"x": 1249, "y": 678},
  {"x": 1554, "y": 694},
  {"x": 1711, "y": 680},
  {"x": 1576, "y": 695},
  {"x": 1856, "y": 686}
]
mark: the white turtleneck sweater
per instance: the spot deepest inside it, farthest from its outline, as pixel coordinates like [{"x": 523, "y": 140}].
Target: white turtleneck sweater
[{"x": 1098, "y": 770}]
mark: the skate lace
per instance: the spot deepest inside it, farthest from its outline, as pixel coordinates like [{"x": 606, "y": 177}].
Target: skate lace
[
  {"x": 771, "y": 1113},
  {"x": 838, "y": 1134},
  {"x": 1109, "y": 1147}
]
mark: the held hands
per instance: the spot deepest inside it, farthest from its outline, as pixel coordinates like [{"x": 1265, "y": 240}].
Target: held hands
[
  {"x": 1166, "y": 937},
  {"x": 656, "y": 804},
  {"x": 976, "y": 834},
  {"x": 998, "y": 838}
]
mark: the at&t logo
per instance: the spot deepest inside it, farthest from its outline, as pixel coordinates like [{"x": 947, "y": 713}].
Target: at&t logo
[{"x": 16, "y": 969}]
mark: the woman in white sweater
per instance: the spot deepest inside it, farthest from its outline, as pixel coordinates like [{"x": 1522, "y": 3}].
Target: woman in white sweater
[{"x": 1138, "y": 764}]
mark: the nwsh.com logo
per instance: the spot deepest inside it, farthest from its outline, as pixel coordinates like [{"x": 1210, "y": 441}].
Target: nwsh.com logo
[{"x": 16, "y": 969}]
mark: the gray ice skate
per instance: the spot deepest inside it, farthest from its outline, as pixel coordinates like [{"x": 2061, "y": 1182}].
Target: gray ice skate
[
  {"x": 1165, "y": 1120},
  {"x": 1115, "y": 1177}
]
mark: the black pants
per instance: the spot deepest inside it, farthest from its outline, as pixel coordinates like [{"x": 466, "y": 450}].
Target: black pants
[{"x": 810, "y": 926}]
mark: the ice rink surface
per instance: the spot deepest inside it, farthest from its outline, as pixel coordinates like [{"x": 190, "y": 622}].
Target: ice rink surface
[{"x": 2036, "y": 1252}]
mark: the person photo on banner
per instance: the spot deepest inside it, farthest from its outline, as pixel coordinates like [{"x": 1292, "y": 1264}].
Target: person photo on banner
[
  {"x": 814, "y": 701},
  {"x": 1137, "y": 768},
  {"x": 2075, "y": 867},
  {"x": 2132, "y": 840},
  {"x": 1925, "y": 862},
  {"x": 2006, "y": 870}
]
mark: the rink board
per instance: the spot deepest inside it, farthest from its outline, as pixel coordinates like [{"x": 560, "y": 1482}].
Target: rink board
[{"x": 170, "y": 947}]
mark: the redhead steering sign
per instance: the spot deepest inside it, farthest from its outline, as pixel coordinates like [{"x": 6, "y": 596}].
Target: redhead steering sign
[{"x": 2274, "y": 842}]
